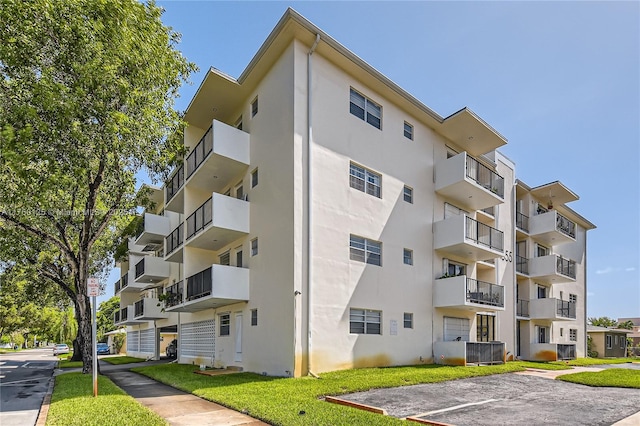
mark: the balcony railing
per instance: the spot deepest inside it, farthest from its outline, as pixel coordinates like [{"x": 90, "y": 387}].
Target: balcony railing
[
  {"x": 174, "y": 239},
  {"x": 522, "y": 265},
  {"x": 140, "y": 268},
  {"x": 566, "y": 351},
  {"x": 124, "y": 281},
  {"x": 174, "y": 295},
  {"x": 138, "y": 308},
  {"x": 522, "y": 221},
  {"x": 200, "y": 152},
  {"x": 176, "y": 182},
  {"x": 116, "y": 287},
  {"x": 140, "y": 227},
  {"x": 485, "y": 352},
  {"x": 485, "y": 293},
  {"x": 485, "y": 177},
  {"x": 565, "y": 226},
  {"x": 566, "y": 267},
  {"x": 116, "y": 317},
  {"x": 484, "y": 234},
  {"x": 124, "y": 314},
  {"x": 566, "y": 309},
  {"x": 522, "y": 308},
  {"x": 199, "y": 219},
  {"x": 199, "y": 285}
]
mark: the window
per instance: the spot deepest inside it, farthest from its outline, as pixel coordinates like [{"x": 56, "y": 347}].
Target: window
[
  {"x": 485, "y": 328},
  {"x": 254, "y": 317},
  {"x": 365, "y": 180},
  {"x": 365, "y": 109},
  {"x": 456, "y": 329},
  {"x": 238, "y": 124},
  {"x": 365, "y": 321},
  {"x": 408, "y": 194},
  {"x": 225, "y": 259},
  {"x": 254, "y": 247},
  {"x": 454, "y": 269},
  {"x": 573, "y": 334},
  {"x": 408, "y": 257},
  {"x": 609, "y": 343},
  {"x": 239, "y": 257},
  {"x": 543, "y": 334},
  {"x": 573, "y": 298},
  {"x": 239, "y": 191},
  {"x": 365, "y": 250},
  {"x": 542, "y": 292},
  {"x": 254, "y": 107},
  {"x": 225, "y": 324},
  {"x": 254, "y": 178},
  {"x": 408, "y": 320},
  {"x": 623, "y": 340},
  {"x": 408, "y": 131},
  {"x": 542, "y": 251}
]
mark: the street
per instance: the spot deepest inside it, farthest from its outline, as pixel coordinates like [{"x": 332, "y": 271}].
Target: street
[{"x": 24, "y": 378}]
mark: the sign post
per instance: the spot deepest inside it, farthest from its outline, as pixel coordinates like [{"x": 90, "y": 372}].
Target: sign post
[{"x": 93, "y": 290}]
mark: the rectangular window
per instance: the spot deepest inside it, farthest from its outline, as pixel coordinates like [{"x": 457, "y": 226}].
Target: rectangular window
[
  {"x": 542, "y": 251},
  {"x": 408, "y": 131},
  {"x": 454, "y": 269},
  {"x": 239, "y": 257},
  {"x": 225, "y": 259},
  {"x": 365, "y": 180},
  {"x": 543, "y": 334},
  {"x": 254, "y": 317},
  {"x": 609, "y": 341},
  {"x": 365, "y": 250},
  {"x": 561, "y": 331},
  {"x": 456, "y": 329},
  {"x": 365, "y": 109},
  {"x": 573, "y": 334},
  {"x": 254, "y": 247},
  {"x": 408, "y": 194},
  {"x": 542, "y": 292},
  {"x": 240, "y": 191},
  {"x": 408, "y": 257},
  {"x": 254, "y": 178},
  {"x": 225, "y": 324},
  {"x": 408, "y": 320},
  {"x": 365, "y": 321},
  {"x": 254, "y": 107},
  {"x": 573, "y": 298},
  {"x": 623, "y": 341}
]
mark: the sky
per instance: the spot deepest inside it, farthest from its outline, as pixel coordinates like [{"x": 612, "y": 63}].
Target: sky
[{"x": 560, "y": 80}]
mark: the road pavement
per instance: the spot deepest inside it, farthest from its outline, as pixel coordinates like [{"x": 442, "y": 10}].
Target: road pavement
[{"x": 24, "y": 378}]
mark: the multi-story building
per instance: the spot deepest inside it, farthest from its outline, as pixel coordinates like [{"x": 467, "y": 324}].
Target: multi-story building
[{"x": 326, "y": 219}]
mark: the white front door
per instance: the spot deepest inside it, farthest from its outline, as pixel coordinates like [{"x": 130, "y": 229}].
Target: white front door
[{"x": 238, "y": 356}]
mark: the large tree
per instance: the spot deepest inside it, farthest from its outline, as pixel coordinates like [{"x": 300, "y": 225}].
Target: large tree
[
  {"x": 603, "y": 322},
  {"x": 87, "y": 92}
]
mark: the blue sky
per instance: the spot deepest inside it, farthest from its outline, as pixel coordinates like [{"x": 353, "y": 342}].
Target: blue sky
[{"x": 560, "y": 80}]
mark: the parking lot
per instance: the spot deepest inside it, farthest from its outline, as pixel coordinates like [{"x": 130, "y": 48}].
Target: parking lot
[{"x": 505, "y": 399}]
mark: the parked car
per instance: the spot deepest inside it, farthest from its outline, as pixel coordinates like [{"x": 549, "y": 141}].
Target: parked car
[
  {"x": 60, "y": 348},
  {"x": 103, "y": 349},
  {"x": 172, "y": 349}
]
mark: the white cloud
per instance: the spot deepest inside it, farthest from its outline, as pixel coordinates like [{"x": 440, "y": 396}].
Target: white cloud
[
  {"x": 589, "y": 294},
  {"x": 606, "y": 270},
  {"x": 630, "y": 269}
]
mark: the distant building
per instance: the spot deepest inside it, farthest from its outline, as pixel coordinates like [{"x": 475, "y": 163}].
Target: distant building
[
  {"x": 608, "y": 342},
  {"x": 326, "y": 219},
  {"x": 635, "y": 332}
]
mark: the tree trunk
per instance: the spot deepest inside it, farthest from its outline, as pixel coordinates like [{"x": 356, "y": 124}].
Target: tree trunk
[{"x": 83, "y": 341}]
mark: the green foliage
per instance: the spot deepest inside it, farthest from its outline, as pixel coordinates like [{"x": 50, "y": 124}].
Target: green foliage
[
  {"x": 118, "y": 341},
  {"x": 626, "y": 325},
  {"x": 87, "y": 91},
  {"x": 287, "y": 397},
  {"x": 613, "y": 377},
  {"x": 104, "y": 317},
  {"x": 603, "y": 322},
  {"x": 118, "y": 360},
  {"x": 73, "y": 403}
]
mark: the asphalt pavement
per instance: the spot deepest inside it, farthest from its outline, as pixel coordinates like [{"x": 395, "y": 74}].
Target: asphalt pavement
[{"x": 24, "y": 379}]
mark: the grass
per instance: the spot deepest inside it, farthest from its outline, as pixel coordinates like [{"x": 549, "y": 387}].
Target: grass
[
  {"x": 541, "y": 365},
  {"x": 613, "y": 377},
  {"x": 72, "y": 403},
  {"x": 596, "y": 361},
  {"x": 117, "y": 360},
  {"x": 288, "y": 401}
]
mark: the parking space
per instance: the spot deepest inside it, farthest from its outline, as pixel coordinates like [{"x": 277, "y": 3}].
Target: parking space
[{"x": 505, "y": 399}]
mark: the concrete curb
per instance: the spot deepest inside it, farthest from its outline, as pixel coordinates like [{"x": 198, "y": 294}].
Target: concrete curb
[
  {"x": 358, "y": 405},
  {"x": 44, "y": 408}
]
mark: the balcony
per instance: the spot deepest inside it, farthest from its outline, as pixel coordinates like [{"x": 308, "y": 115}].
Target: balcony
[
  {"x": 463, "y": 353},
  {"x": 552, "y": 228},
  {"x": 174, "y": 294},
  {"x": 125, "y": 316},
  {"x": 466, "y": 293},
  {"x": 552, "y": 309},
  {"x": 148, "y": 308},
  {"x": 216, "y": 286},
  {"x": 222, "y": 153},
  {"x": 151, "y": 270},
  {"x": 522, "y": 222},
  {"x": 465, "y": 237},
  {"x": 152, "y": 231},
  {"x": 125, "y": 286},
  {"x": 174, "y": 197},
  {"x": 522, "y": 308},
  {"x": 522, "y": 265},
  {"x": 217, "y": 222},
  {"x": 468, "y": 182},
  {"x": 552, "y": 351},
  {"x": 552, "y": 269},
  {"x": 173, "y": 244}
]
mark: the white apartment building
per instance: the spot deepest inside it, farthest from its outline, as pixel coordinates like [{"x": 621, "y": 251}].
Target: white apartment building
[{"x": 325, "y": 219}]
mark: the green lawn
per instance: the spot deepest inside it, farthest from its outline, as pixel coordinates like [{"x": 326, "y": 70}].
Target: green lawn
[
  {"x": 596, "y": 361},
  {"x": 288, "y": 401},
  {"x": 541, "y": 365},
  {"x": 117, "y": 360},
  {"x": 73, "y": 403},
  {"x": 613, "y": 377}
]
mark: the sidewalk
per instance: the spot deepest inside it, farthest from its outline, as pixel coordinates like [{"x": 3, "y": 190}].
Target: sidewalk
[{"x": 177, "y": 407}]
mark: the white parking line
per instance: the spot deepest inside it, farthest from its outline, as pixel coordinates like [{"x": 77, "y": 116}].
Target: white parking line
[{"x": 456, "y": 407}]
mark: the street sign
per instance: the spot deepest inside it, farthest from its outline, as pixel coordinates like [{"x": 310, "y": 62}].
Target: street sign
[{"x": 93, "y": 287}]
